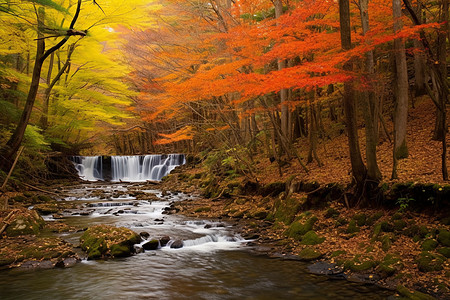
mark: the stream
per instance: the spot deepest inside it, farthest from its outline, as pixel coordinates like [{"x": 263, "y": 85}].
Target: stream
[{"x": 214, "y": 262}]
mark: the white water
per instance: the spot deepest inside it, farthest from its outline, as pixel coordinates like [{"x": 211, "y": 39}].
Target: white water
[
  {"x": 89, "y": 167},
  {"x": 142, "y": 168},
  {"x": 136, "y": 168}
]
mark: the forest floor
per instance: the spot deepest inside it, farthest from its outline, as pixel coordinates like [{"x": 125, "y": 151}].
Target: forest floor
[{"x": 391, "y": 247}]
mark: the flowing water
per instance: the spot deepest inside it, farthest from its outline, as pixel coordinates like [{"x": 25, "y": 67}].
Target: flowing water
[{"x": 214, "y": 262}]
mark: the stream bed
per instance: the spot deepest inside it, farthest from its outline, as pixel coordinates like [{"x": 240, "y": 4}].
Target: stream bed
[{"x": 214, "y": 262}]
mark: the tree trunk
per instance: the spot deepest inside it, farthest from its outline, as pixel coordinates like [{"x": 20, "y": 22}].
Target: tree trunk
[
  {"x": 12, "y": 146},
  {"x": 283, "y": 92},
  {"x": 401, "y": 105},
  {"x": 370, "y": 105},
  {"x": 419, "y": 63},
  {"x": 358, "y": 168}
]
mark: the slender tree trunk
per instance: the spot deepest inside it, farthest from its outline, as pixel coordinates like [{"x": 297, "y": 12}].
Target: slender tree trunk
[
  {"x": 370, "y": 105},
  {"x": 358, "y": 168},
  {"x": 12, "y": 146},
  {"x": 401, "y": 105},
  {"x": 283, "y": 92}
]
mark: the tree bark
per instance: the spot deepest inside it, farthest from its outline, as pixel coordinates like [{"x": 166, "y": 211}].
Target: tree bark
[
  {"x": 401, "y": 104},
  {"x": 370, "y": 105},
  {"x": 12, "y": 146},
  {"x": 358, "y": 168}
]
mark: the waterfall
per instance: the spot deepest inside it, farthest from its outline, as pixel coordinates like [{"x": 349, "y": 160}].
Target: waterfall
[
  {"x": 89, "y": 167},
  {"x": 132, "y": 168}
]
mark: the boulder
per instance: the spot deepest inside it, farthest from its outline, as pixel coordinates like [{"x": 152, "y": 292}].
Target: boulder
[
  {"x": 151, "y": 245},
  {"x": 325, "y": 268},
  {"x": 164, "y": 240},
  {"x": 104, "y": 240},
  {"x": 444, "y": 237},
  {"x": 177, "y": 244},
  {"x": 309, "y": 254},
  {"x": 24, "y": 222}
]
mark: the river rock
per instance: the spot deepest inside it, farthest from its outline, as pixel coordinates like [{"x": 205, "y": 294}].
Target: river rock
[
  {"x": 24, "y": 222},
  {"x": 104, "y": 240},
  {"x": 144, "y": 234},
  {"x": 176, "y": 244},
  {"x": 163, "y": 241},
  {"x": 325, "y": 268},
  {"x": 151, "y": 245}
]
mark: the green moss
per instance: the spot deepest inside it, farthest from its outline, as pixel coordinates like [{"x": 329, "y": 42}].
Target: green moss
[
  {"x": 311, "y": 238},
  {"x": 358, "y": 265},
  {"x": 376, "y": 232},
  {"x": 337, "y": 253},
  {"x": 286, "y": 210},
  {"x": 118, "y": 250},
  {"x": 429, "y": 262},
  {"x": 390, "y": 265},
  {"x": 445, "y": 251},
  {"x": 360, "y": 219},
  {"x": 387, "y": 227},
  {"x": 203, "y": 209},
  {"x": 397, "y": 216},
  {"x": 386, "y": 242},
  {"x": 341, "y": 222},
  {"x": 412, "y": 295},
  {"x": 429, "y": 245},
  {"x": 444, "y": 237},
  {"x": 309, "y": 254},
  {"x": 260, "y": 214},
  {"x": 373, "y": 218},
  {"x": 399, "y": 225},
  {"x": 352, "y": 227},
  {"x": 331, "y": 213},
  {"x": 25, "y": 222},
  {"x": 297, "y": 229}
]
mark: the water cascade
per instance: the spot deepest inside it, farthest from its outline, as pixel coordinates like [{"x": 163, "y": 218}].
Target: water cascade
[{"x": 134, "y": 168}]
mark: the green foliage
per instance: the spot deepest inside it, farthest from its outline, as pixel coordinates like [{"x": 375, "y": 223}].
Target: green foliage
[
  {"x": 403, "y": 203},
  {"x": 34, "y": 139}
]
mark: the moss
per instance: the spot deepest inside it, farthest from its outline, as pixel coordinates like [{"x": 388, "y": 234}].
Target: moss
[
  {"x": 337, "y": 253},
  {"x": 429, "y": 262},
  {"x": 203, "y": 209},
  {"x": 444, "y": 237},
  {"x": 43, "y": 198},
  {"x": 376, "y": 232},
  {"x": 260, "y": 214},
  {"x": 311, "y": 238},
  {"x": 286, "y": 210},
  {"x": 118, "y": 250},
  {"x": 412, "y": 295},
  {"x": 360, "y": 219},
  {"x": 445, "y": 251},
  {"x": 397, "y": 216},
  {"x": 341, "y": 222},
  {"x": 387, "y": 227},
  {"x": 331, "y": 213},
  {"x": 429, "y": 245},
  {"x": 373, "y": 218},
  {"x": 352, "y": 227},
  {"x": 399, "y": 225},
  {"x": 390, "y": 265},
  {"x": 386, "y": 242},
  {"x": 309, "y": 254},
  {"x": 273, "y": 189},
  {"x": 358, "y": 265},
  {"x": 101, "y": 240},
  {"x": 415, "y": 230},
  {"x": 297, "y": 229},
  {"x": 25, "y": 222}
]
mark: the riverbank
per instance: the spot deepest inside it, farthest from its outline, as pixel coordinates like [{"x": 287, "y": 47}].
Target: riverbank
[{"x": 397, "y": 245}]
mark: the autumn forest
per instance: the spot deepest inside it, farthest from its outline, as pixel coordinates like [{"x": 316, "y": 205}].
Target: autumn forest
[{"x": 311, "y": 95}]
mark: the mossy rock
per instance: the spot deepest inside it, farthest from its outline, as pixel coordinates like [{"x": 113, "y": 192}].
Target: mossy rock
[
  {"x": 337, "y": 253},
  {"x": 297, "y": 229},
  {"x": 360, "y": 219},
  {"x": 25, "y": 222},
  {"x": 413, "y": 295},
  {"x": 311, "y": 238},
  {"x": 390, "y": 265},
  {"x": 444, "y": 237},
  {"x": 259, "y": 214},
  {"x": 445, "y": 251},
  {"x": 373, "y": 218},
  {"x": 104, "y": 240},
  {"x": 151, "y": 245},
  {"x": 309, "y": 254},
  {"x": 203, "y": 209},
  {"x": 46, "y": 208},
  {"x": 429, "y": 262},
  {"x": 273, "y": 189},
  {"x": 429, "y": 245},
  {"x": 341, "y": 222},
  {"x": 386, "y": 242},
  {"x": 43, "y": 198},
  {"x": 397, "y": 216},
  {"x": 415, "y": 230},
  {"x": 352, "y": 227},
  {"x": 360, "y": 264},
  {"x": 387, "y": 227},
  {"x": 399, "y": 225},
  {"x": 285, "y": 210},
  {"x": 376, "y": 232},
  {"x": 332, "y": 213}
]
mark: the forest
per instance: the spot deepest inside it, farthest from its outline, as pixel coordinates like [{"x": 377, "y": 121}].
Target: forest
[{"x": 338, "y": 104}]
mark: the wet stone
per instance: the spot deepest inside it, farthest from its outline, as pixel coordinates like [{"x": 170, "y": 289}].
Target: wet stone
[{"x": 325, "y": 268}]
